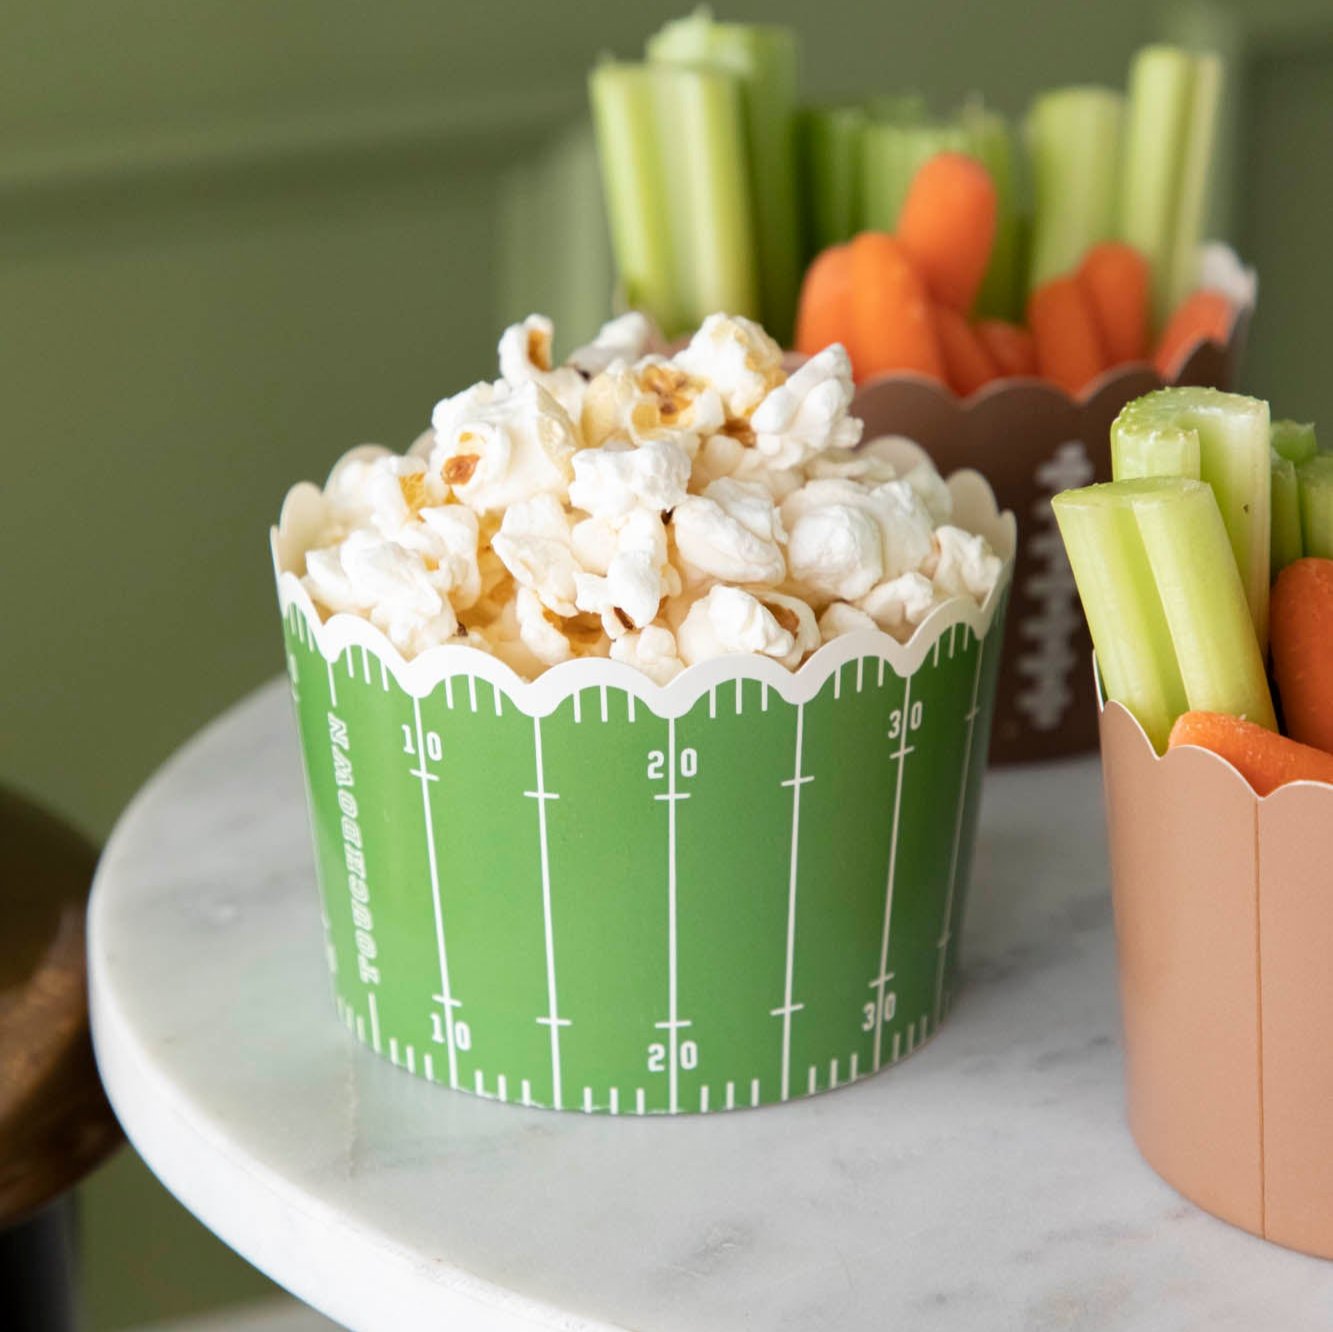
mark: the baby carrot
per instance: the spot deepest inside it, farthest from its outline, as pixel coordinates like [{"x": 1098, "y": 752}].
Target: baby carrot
[
  {"x": 947, "y": 226},
  {"x": 1069, "y": 347},
  {"x": 967, "y": 363},
  {"x": 825, "y": 311},
  {"x": 1265, "y": 759},
  {"x": 1010, "y": 346},
  {"x": 1206, "y": 316},
  {"x": 1115, "y": 278},
  {"x": 891, "y": 326},
  {"x": 1301, "y": 629}
]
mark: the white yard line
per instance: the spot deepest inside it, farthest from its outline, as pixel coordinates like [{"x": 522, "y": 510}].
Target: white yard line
[
  {"x": 795, "y": 781},
  {"x": 673, "y": 1024},
  {"x": 885, "y": 975},
  {"x": 946, "y": 929},
  {"x": 552, "y": 1021},
  {"x": 445, "y": 996},
  {"x": 333, "y": 686},
  {"x": 374, "y": 1020}
]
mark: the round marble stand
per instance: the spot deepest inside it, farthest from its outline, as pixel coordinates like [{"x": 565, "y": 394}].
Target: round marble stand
[{"x": 989, "y": 1182}]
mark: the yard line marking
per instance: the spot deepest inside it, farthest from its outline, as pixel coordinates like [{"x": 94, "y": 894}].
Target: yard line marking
[
  {"x": 897, "y": 1035},
  {"x": 860, "y": 672},
  {"x": 638, "y": 1100},
  {"x": 411, "y": 1059},
  {"x": 673, "y": 978},
  {"x": 953, "y": 630},
  {"x": 731, "y": 1096},
  {"x": 578, "y": 714},
  {"x": 587, "y": 1100},
  {"x": 881, "y": 979},
  {"x": 935, "y": 653},
  {"x": 740, "y": 696},
  {"x": 333, "y": 685},
  {"x": 837, "y": 683},
  {"x": 763, "y": 697},
  {"x": 911, "y": 1037},
  {"x": 429, "y": 1065},
  {"x": 351, "y": 670},
  {"x": 384, "y": 678},
  {"x": 502, "y": 1086},
  {"x": 712, "y": 701},
  {"x": 525, "y": 1092},
  {"x": 360, "y": 1028},
  {"x": 393, "y": 1049},
  {"x": 448, "y": 691},
  {"x": 603, "y": 692},
  {"x": 852, "y": 1075},
  {"x": 833, "y": 1073},
  {"x": 615, "y": 1100},
  {"x": 881, "y": 673},
  {"x": 472, "y": 691},
  {"x": 365, "y": 665},
  {"x": 552, "y": 1021},
  {"x": 499, "y": 711},
  {"x": 754, "y": 1091},
  {"x": 374, "y": 1019},
  {"x": 796, "y": 781},
  {"x": 703, "y": 1099},
  {"x": 479, "y": 1082},
  {"x": 629, "y": 699},
  {"x": 445, "y": 996},
  {"x": 946, "y": 927},
  {"x": 811, "y": 1081}
]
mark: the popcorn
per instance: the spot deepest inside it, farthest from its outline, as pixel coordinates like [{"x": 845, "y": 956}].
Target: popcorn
[
  {"x": 808, "y": 414},
  {"x": 661, "y": 512},
  {"x": 612, "y": 482},
  {"x": 738, "y": 358},
  {"x": 732, "y": 531},
  {"x": 496, "y": 446},
  {"x": 628, "y": 338},
  {"x": 525, "y": 357}
]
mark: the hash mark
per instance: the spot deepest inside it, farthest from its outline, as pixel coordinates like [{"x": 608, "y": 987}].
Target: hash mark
[
  {"x": 703, "y": 1099},
  {"x": 578, "y": 713},
  {"x": 428, "y": 1064},
  {"x": 615, "y": 1100},
  {"x": 411, "y": 1059},
  {"x": 812, "y": 1082},
  {"x": 754, "y": 1091},
  {"x": 833, "y": 1073},
  {"x": 472, "y": 691},
  {"x": 731, "y": 1096},
  {"x": 499, "y": 711},
  {"x": 502, "y": 1086},
  {"x": 860, "y": 672},
  {"x": 740, "y": 696},
  {"x": 525, "y": 1090},
  {"x": 638, "y": 1100},
  {"x": 448, "y": 691},
  {"x": 587, "y": 1100},
  {"x": 852, "y": 1074},
  {"x": 604, "y": 715}
]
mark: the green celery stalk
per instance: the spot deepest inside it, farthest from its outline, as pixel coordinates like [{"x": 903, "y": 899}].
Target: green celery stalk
[
  {"x": 988, "y": 138},
  {"x": 831, "y": 141},
  {"x": 701, "y": 127},
  {"x": 1202, "y": 597},
  {"x": 1152, "y": 435},
  {"x": 1192, "y": 185},
  {"x": 763, "y": 60},
  {"x": 1157, "y": 130},
  {"x": 634, "y": 181},
  {"x": 1294, "y": 440},
  {"x": 1316, "y": 482},
  {"x": 1074, "y": 146},
  {"x": 892, "y": 155},
  {"x": 1287, "y": 544},
  {"x": 1129, "y": 630}
]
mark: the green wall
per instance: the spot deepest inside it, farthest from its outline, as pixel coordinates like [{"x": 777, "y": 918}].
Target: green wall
[{"x": 240, "y": 237}]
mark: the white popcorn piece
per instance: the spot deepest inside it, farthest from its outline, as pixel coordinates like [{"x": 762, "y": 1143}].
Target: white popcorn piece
[
  {"x": 863, "y": 465},
  {"x": 651, "y": 650},
  {"x": 839, "y": 618},
  {"x": 807, "y": 415},
  {"x": 533, "y": 543},
  {"x": 906, "y": 527},
  {"x": 613, "y": 481},
  {"x": 627, "y": 338},
  {"x": 963, "y": 564},
  {"x": 738, "y": 358},
  {"x": 733, "y": 619},
  {"x": 594, "y": 544},
  {"x": 525, "y": 357},
  {"x": 630, "y": 592},
  {"x": 934, "y": 494},
  {"x": 718, "y": 456},
  {"x": 900, "y": 604},
  {"x": 496, "y": 446},
  {"x": 450, "y": 535},
  {"x": 545, "y": 640},
  {"x": 733, "y": 531},
  {"x": 651, "y": 399}
]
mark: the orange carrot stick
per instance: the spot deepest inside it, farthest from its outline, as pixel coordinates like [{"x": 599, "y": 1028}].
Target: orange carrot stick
[
  {"x": 1010, "y": 346},
  {"x": 891, "y": 327},
  {"x": 1115, "y": 278},
  {"x": 1206, "y": 316},
  {"x": 967, "y": 363},
  {"x": 1265, "y": 759},
  {"x": 825, "y": 310},
  {"x": 1301, "y": 629},
  {"x": 1069, "y": 347},
  {"x": 947, "y": 226}
]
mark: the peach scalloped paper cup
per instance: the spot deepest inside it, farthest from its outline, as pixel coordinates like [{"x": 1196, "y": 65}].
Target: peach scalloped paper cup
[
  {"x": 1032, "y": 440},
  {"x": 1224, "y": 928}
]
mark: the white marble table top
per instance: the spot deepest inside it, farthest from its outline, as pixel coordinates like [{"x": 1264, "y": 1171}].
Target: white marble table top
[{"x": 988, "y": 1182}]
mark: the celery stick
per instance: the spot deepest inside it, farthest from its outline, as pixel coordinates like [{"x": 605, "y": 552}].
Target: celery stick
[
  {"x": 1152, "y": 433},
  {"x": 1074, "y": 144},
  {"x": 1220, "y": 659},
  {"x": 1316, "y": 482},
  {"x": 702, "y": 130},
  {"x": 1157, "y": 130},
  {"x": 831, "y": 140},
  {"x": 1192, "y": 185},
  {"x": 1129, "y": 630},
  {"x": 1287, "y": 544},
  {"x": 892, "y": 155},
  {"x": 988, "y": 139},
  {"x": 1294, "y": 440},
  {"x": 634, "y": 181},
  {"x": 763, "y": 60}
]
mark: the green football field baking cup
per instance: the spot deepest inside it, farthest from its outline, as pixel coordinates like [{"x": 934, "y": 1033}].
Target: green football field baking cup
[{"x": 589, "y": 892}]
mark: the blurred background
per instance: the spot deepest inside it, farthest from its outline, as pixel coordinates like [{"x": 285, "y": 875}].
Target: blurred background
[{"x": 240, "y": 237}]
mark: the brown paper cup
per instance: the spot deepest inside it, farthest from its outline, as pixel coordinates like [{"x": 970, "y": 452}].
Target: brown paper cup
[
  {"x": 1224, "y": 920},
  {"x": 1031, "y": 440}
]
